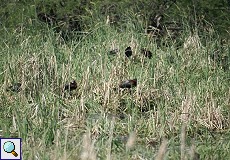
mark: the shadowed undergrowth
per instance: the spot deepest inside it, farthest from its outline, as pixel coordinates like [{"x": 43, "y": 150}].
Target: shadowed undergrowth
[{"x": 180, "y": 107}]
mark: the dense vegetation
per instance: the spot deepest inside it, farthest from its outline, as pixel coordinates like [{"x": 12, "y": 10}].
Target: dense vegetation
[{"x": 179, "y": 108}]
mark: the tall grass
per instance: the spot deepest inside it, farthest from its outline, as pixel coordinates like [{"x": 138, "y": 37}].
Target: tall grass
[{"x": 179, "y": 109}]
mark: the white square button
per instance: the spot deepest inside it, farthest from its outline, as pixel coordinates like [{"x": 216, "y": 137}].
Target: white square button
[{"x": 11, "y": 148}]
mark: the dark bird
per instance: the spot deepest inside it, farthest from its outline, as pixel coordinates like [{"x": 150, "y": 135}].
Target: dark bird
[
  {"x": 128, "y": 83},
  {"x": 113, "y": 52},
  {"x": 71, "y": 86},
  {"x": 16, "y": 87},
  {"x": 128, "y": 51},
  {"x": 146, "y": 53}
]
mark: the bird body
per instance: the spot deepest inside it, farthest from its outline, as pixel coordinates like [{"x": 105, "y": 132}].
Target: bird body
[
  {"x": 71, "y": 86},
  {"x": 146, "y": 53},
  {"x": 128, "y": 83},
  {"x": 128, "y": 52},
  {"x": 16, "y": 87},
  {"x": 113, "y": 52}
]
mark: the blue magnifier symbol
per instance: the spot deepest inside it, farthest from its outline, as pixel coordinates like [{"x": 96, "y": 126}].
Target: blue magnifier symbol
[{"x": 9, "y": 147}]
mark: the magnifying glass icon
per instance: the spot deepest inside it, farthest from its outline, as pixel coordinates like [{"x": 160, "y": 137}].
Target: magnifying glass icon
[{"x": 9, "y": 147}]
